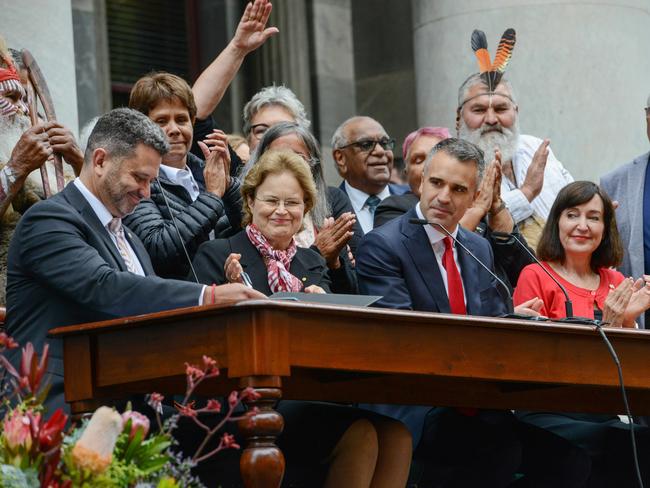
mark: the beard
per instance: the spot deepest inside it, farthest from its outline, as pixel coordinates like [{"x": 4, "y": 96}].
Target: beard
[
  {"x": 489, "y": 138},
  {"x": 117, "y": 192},
  {"x": 12, "y": 128}
]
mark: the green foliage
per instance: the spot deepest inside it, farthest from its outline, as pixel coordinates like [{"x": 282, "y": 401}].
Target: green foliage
[{"x": 13, "y": 477}]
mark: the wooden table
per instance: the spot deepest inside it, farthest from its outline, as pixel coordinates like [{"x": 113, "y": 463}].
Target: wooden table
[{"x": 344, "y": 354}]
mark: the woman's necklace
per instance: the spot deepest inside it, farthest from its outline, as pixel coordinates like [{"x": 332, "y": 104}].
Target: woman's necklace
[{"x": 590, "y": 281}]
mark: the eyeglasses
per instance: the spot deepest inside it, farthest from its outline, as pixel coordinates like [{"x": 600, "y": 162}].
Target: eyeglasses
[
  {"x": 289, "y": 204},
  {"x": 368, "y": 145},
  {"x": 258, "y": 130},
  {"x": 311, "y": 162}
]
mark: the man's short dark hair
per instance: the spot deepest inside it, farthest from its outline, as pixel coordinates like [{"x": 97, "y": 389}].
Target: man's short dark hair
[
  {"x": 461, "y": 150},
  {"x": 610, "y": 251},
  {"x": 121, "y": 130}
]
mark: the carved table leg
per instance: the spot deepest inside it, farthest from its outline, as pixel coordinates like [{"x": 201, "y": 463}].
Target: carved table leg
[{"x": 262, "y": 463}]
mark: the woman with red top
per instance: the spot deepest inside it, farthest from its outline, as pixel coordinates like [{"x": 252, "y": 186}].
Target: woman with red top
[{"x": 579, "y": 246}]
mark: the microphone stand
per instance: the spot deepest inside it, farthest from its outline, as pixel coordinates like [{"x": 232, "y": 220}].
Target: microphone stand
[{"x": 508, "y": 298}]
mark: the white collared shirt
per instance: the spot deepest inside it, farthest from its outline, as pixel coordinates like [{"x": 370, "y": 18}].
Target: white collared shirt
[
  {"x": 358, "y": 200},
  {"x": 105, "y": 217},
  {"x": 436, "y": 239},
  {"x": 182, "y": 177},
  {"x": 556, "y": 177}
]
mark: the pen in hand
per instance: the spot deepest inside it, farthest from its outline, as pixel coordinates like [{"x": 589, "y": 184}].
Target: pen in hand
[{"x": 246, "y": 279}]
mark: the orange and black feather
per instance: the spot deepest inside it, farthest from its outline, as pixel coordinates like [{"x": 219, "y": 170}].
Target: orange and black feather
[
  {"x": 479, "y": 45},
  {"x": 504, "y": 51}
]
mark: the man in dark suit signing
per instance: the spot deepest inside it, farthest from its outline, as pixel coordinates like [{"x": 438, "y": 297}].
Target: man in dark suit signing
[
  {"x": 71, "y": 260},
  {"x": 420, "y": 268}
]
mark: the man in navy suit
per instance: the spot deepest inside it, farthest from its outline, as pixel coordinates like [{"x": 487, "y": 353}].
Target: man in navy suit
[
  {"x": 398, "y": 260},
  {"x": 363, "y": 153},
  {"x": 72, "y": 261},
  {"x": 420, "y": 268}
]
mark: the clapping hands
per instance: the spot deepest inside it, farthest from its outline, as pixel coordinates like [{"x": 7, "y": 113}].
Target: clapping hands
[{"x": 217, "y": 162}]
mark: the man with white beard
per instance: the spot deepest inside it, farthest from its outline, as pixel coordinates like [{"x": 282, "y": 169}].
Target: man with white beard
[
  {"x": 23, "y": 149},
  {"x": 532, "y": 175}
]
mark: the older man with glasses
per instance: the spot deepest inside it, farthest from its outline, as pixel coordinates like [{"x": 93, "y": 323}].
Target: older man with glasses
[
  {"x": 363, "y": 153},
  {"x": 626, "y": 184}
]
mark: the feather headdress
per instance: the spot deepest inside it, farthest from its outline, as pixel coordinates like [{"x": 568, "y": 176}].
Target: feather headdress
[{"x": 491, "y": 72}]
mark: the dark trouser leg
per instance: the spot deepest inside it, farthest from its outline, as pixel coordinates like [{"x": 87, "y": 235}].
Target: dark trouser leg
[
  {"x": 615, "y": 467},
  {"x": 468, "y": 451},
  {"x": 549, "y": 461}
]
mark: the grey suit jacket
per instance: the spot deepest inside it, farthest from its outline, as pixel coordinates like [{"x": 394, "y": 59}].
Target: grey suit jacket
[
  {"x": 64, "y": 269},
  {"x": 625, "y": 184}
]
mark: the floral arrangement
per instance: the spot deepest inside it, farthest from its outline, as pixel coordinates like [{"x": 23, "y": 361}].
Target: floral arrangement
[{"x": 109, "y": 450}]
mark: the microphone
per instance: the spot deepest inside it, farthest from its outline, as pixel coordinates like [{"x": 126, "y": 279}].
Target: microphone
[
  {"x": 568, "y": 305},
  {"x": 464, "y": 248},
  {"x": 178, "y": 232}
]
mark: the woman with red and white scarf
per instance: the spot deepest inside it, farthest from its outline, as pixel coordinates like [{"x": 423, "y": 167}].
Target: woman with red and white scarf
[{"x": 356, "y": 448}]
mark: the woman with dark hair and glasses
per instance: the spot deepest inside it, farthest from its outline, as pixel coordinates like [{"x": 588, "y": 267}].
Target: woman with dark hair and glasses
[
  {"x": 579, "y": 246},
  {"x": 329, "y": 226}
]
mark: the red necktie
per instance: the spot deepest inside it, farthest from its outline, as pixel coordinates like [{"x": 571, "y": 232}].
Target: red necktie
[{"x": 454, "y": 281}]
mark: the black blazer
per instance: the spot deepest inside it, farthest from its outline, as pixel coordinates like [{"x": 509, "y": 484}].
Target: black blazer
[
  {"x": 394, "y": 206},
  {"x": 151, "y": 220},
  {"x": 64, "y": 269},
  {"x": 358, "y": 231},
  {"x": 307, "y": 265}
]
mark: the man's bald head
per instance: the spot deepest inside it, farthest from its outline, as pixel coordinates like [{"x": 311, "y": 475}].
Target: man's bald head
[{"x": 363, "y": 153}]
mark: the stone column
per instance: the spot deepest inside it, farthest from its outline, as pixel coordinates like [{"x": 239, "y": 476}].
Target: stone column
[
  {"x": 45, "y": 28},
  {"x": 92, "y": 62},
  {"x": 334, "y": 77},
  {"x": 580, "y": 71}
]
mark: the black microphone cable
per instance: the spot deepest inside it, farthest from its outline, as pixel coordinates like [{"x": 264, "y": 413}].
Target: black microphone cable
[
  {"x": 600, "y": 328},
  {"x": 178, "y": 232},
  {"x": 464, "y": 248},
  {"x": 568, "y": 305}
]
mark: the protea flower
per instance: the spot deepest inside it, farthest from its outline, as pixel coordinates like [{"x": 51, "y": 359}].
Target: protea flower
[
  {"x": 17, "y": 431},
  {"x": 138, "y": 422}
]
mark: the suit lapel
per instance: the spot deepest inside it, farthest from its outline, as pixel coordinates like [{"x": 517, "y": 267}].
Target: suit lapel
[
  {"x": 251, "y": 261},
  {"x": 304, "y": 271},
  {"x": 421, "y": 253},
  {"x": 79, "y": 202},
  {"x": 469, "y": 272},
  {"x": 635, "y": 188}
]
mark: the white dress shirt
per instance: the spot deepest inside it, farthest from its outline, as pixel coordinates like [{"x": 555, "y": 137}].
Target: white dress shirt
[
  {"x": 362, "y": 211},
  {"x": 436, "y": 239},
  {"x": 182, "y": 177},
  {"x": 556, "y": 177},
  {"x": 105, "y": 217}
]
